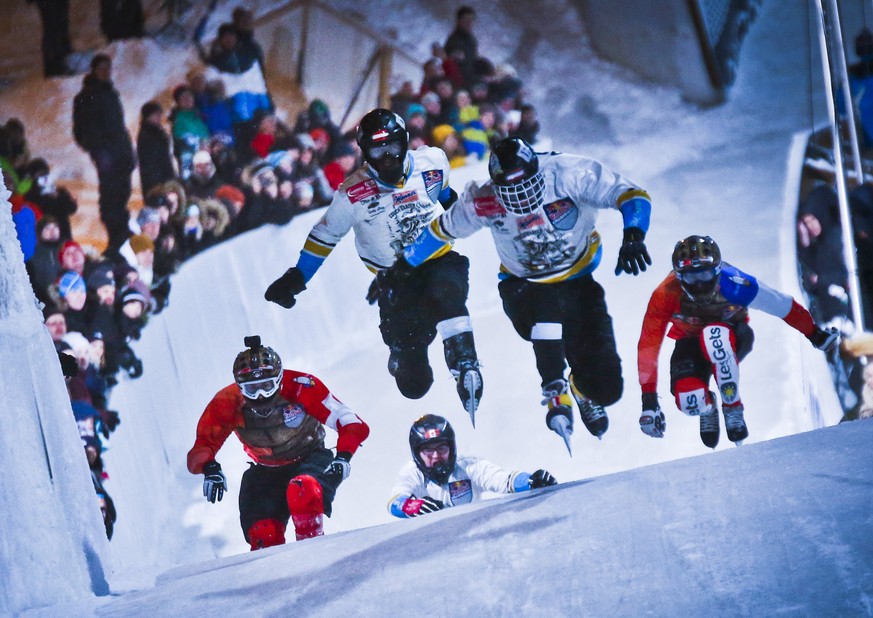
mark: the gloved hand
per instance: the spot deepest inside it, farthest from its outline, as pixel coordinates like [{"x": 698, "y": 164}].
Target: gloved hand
[
  {"x": 214, "y": 483},
  {"x": 339, "y": 468},
  {"x": 283, "y": 290},
  {"x": 652, "y": 420},
  {"x": 826, "y": 339},
  {"x": 390, "y": 281},
  {"x": 541, "y": 478},
  {"x": 111, "y": 419},
  {"x": 128, "y": 361},
  {"x": 413, "y": 507},
  {"x": 69, "y": 366},
  {"x": 633, "y": 255}
]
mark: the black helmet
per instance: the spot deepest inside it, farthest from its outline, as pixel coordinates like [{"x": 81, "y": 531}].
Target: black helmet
[
  {"x": 515, "y": 171},
  {"x": 433, "y": 429},
  {"x": 384, "y": 142},
  {"x": 697, "y": 264},
  {"x": 257, "y": 370}
]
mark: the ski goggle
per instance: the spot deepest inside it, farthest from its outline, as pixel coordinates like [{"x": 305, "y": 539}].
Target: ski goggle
[
  {"x": 260, "y": 388},
  {"x": 433, "y": 449},
  {"x": 380, "y": 150},
  {"x": 707, "y": 275}
]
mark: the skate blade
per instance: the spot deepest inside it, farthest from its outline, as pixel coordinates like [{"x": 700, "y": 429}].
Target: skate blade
[
  {"x": 472, "y": 383},
  {"x": 563, "y": 427},
  {"x": 739, "y": 442}
]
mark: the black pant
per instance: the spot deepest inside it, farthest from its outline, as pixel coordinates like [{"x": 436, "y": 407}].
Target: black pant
[
  {"x": 262, "y": 489},
  {"x": 435, "y": 291},
  {"x": 113, "y": 176},
  {"x": 690, "y": 361},
  {"x": 55, "y": 35},
  {"x": 588, "y": 341}
]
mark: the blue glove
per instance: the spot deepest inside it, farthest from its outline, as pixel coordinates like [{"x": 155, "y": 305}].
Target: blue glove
[
  {"x": 214, "y": 483},
  {"x": 633, "y": 255}
]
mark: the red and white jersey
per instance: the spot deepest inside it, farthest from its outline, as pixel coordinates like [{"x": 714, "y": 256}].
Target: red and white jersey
[
  {"x": 386, "y": 218},
  {"x": 558, "y": 239}
]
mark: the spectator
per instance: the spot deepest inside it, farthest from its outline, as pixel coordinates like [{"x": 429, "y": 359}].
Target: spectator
[
  {"x": 55, "y": 16},
  {"x": 307, "y": 171},
  {"x": 823, "y": 273},
  {"x": 121, "y": 19},
  {"x": 213, "y": 219},
  {"x": 71, "y": 296},
  {"x": 504, "y": 90},
  {"x": 153, "y": 148},
  {"x": 24, "y": 217},
  {"x": 98, "y": 127},
  {"x": 224, "y": 158},
  {"x": 269, "y": 129},
  {"x": 322, "y": 146},
  {"x": 337, "y": 170},
  {"x": 528, "y": 127},
  {"x": 132, "y": 305},
  {"x": 403, "y": 98},
  {"x": 15, "y": 148},
  {"x": 72, "y": 257},
  {"x": 861, "y": 85},
  {"x": 216, "y": 109},
  {"x": 204, "y": 181},
  {"x": 139, "y": 253},
  {"x": 317, "y": 116},
  {"x": 243, "y": 22},
  {"x": 444, "y": 137},
  {"x": 238, "y": 65},
  {"x": 433, "y": 106},
  {"x": 861, "y": 203},
  {"x": 101, "y": 316},
  {"x": 51, "y": 200},
  {"x": 189, "y": 130},
  {"x": 45, "y": 265},
  {"x": 449, "y": 67},
  {"x": 462, "y": 46},
  {"x": 448, "y": 107}
]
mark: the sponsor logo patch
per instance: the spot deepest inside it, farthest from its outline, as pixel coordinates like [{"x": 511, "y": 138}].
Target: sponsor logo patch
[
  {"x": 461, "y": 491},
  {"x": 405, "y": 197},
  {"x": 488, "y": 206},
  {"x": 293, "y": 414},
  {"x": 305, "y": 380},
  {"x": 729, "y": 392},
  {"x": 431, "y": 433},
  {"x": 362, "y": 191},
  {"x": 692, "y": 402},
  {"x": 433, "y": 184},
  {"x": 563, "y": 214}
]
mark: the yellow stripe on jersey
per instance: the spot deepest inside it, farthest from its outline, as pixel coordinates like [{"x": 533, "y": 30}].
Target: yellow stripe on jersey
[
  {"x": 629, "y": 195},
  {"x": 315, "y": 247}
]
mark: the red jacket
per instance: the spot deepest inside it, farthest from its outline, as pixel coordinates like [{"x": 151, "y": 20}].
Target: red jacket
[{"x": 303, "y": 401}]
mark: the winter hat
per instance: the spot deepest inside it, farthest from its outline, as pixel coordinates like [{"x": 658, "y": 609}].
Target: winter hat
[
  {"x": 201, "y": 156},
  {"x": 131, "y": 294},
  {"x": 141, "y": 242},
  {"x": 305, "y": 141},
  {"x": 230, "y": 194},
  {"x": 319, "y": 135},
  {"x": 77, "y": 342},
  {"x": 261, "y": 167},
  {"x": 150, "y": 108},
  {"x": 70, "y": 245},
  {"x": 100, "y": 277},
  {"x": 430, "y": 97},
  {"x": 319, "y": 109},
  {"x": 441, "y": 133},
  {"x": 70, "y": 282},
  {"x": 148, "y": 214},
  {"x": 275, "y": 158}
]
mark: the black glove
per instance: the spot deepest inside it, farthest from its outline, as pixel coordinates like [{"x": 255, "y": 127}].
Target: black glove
[
  {"x": 652, "y": 420},
  {"x": 825, "y": 339},
  {"x": 128, "y": 361},
  {"x": 160, "y": 295},
  {"x": 413, "y": 507},
  {"x": 214, "y": 483},
  {"x": 339, "y": 468},
  {"x": 633, "y": 255},
  {"x": 541, "y": 478},
  {"x": 69, "y": 366},
  {"x": 110, "y": 419},
  {"x": 283, "y": 290},
  {"x": 390, "y": 281},
  {"x": 373, "y": 291}
]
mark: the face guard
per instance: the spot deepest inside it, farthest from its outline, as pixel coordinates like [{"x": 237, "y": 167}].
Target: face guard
[
  {"x": 522, "y": 198},
  {"x": 701, "y": 284}
]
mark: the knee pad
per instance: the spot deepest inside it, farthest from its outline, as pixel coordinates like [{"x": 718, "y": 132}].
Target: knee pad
[
  {"x": 266, "y": 533},
  {"x": 304, "y": 496},
  {"x": 719, "y": 344},
  {"x": 692, "y": 396},
  {"x": 413, "y": 374}
]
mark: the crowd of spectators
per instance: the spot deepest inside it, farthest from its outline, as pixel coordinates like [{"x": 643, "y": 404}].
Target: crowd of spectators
[{"x": 219, "y": 163}]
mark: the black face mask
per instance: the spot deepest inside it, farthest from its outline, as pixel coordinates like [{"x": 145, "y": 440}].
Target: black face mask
[{"x": 388, "y": 161}]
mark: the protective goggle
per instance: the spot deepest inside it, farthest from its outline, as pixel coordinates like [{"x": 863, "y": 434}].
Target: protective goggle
[
  {"x": 707, "y": 275},
  {"x": 380, "y": 150},
  {"x": 431, "y": 450},
  {"x": 260, "y": 388}
]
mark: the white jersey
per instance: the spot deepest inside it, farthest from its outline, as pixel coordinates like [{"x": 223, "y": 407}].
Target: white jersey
[
  {"x": 385, "y": 218},
  {"x": 558, "y": 239},
  {"x": 471, "y": 477}
]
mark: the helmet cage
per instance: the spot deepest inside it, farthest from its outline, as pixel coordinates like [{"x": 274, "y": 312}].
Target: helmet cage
[{"x": 524, "y": 197}]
